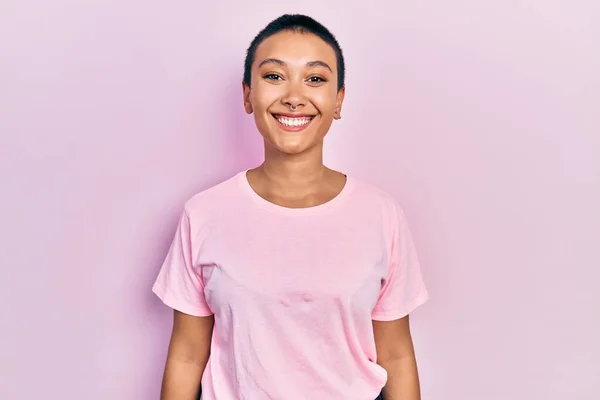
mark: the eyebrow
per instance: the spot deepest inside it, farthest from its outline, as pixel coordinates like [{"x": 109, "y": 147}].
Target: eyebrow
[{"x": 283, "y": 64}]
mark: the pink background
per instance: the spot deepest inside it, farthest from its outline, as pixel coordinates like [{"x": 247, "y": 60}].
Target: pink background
[{"x": 481, "y": 117}]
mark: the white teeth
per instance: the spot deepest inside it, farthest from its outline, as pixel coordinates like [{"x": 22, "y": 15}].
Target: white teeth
[{"x": 293, "y": 121}]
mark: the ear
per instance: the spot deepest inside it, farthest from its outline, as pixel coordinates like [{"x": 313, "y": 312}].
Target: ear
[
  {"x": 338, "y": 103},
  {"x": 246, "y": 96}
]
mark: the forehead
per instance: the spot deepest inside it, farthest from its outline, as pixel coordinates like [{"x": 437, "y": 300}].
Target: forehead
[{"x": 296, "y": 48}]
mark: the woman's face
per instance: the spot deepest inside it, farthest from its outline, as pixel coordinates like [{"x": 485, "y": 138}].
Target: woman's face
[{"x": 294, "y": 70}]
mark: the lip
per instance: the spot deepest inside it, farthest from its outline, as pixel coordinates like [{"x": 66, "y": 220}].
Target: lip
[
  {"x": 292, "y": 115},
  {"x": 292, "y": 128}
]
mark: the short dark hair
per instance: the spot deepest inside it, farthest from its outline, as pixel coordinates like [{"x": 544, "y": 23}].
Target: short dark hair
[{"x": 295, "y": 23}]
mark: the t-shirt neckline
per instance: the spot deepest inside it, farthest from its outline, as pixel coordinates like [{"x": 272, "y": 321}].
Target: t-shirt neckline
[{"x": 242, "y": 179}]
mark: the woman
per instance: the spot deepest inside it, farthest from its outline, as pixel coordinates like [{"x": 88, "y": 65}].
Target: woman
[{"x": 296, "y": 279}]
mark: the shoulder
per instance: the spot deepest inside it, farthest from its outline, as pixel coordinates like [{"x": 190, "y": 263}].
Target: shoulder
[
  {"x": 376, "y": 197},
  {"x": 213, "y": 200}
]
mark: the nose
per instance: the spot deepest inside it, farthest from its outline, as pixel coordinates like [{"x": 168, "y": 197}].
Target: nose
[{"x": 294, "y": 96}]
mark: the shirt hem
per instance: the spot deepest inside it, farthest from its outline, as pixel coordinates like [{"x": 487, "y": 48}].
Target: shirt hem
[
  {"x": 169, "y": 300},
  {"x": 392, "y": 315}
]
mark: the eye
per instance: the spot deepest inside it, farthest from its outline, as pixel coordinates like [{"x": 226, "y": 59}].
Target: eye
[
  {"x": 272, "y": 77},
  {"x": 316, "y": 79}
]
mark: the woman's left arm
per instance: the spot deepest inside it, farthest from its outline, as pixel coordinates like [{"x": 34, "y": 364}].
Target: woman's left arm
[{"x": 395, "y": 353}]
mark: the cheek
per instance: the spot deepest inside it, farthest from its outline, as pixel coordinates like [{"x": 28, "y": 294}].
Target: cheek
[
  {"x": 325, "y": 101},
  {"x": 263, "y": 96}
]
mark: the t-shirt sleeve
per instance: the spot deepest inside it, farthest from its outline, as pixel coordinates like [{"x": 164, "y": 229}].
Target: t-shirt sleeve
[
  {"x": 179, "y": 283},
  {"x": 404, "y": 289}
]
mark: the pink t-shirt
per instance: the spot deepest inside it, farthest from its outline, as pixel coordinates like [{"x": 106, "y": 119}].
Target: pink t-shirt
[{"x": 293, "y": 290}]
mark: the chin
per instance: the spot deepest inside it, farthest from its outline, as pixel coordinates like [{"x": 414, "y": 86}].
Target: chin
[
  {"x": 291, "y": 148},
  {"x": 294, "y": 151},
  {"x": 288, "y": 145}
]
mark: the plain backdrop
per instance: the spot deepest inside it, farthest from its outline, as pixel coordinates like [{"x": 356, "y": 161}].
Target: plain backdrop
[{"x": 481, "y": 117}]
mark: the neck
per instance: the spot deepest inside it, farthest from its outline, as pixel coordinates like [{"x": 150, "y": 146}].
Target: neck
[{"x": 298, "y": 172}]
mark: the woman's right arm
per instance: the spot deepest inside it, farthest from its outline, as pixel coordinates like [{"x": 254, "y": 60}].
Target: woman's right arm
[{"x": 188, "y": 354}]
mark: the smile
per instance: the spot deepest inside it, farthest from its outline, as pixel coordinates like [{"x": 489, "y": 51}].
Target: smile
[{"x": 293, "y": 123}]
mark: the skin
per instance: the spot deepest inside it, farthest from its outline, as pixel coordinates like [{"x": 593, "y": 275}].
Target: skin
[
  {"x": 293, "y": 174},
  {"x": 291, "y": 70},
  {"x": 395, "y": 353},
  {"x": 188, "y": 354}
]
